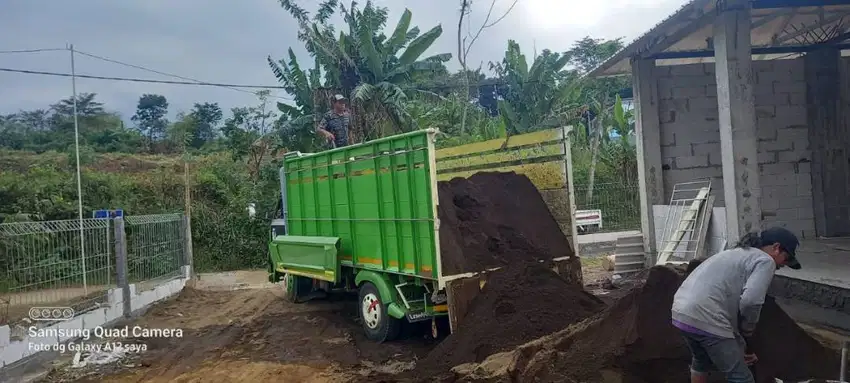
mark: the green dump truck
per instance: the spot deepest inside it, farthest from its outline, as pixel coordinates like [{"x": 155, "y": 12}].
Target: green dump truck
[{"x": 365, "y": 217}]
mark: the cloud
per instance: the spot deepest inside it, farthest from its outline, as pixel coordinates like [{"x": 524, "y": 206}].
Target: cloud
[{"x": 227, "y": 41}]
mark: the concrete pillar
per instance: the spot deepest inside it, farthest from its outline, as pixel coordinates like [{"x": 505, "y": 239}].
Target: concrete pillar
[
  {"x": 828, "y": 141},
  {"x": 737, "y": 118},
  {"x": 648, "y": 143}
]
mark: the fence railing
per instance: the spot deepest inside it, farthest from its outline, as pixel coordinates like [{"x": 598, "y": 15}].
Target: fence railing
[
  {"x": 619, "y": 204},
  {"x": 66, "y": 263},
  {"x": 155, "y": 245},
  {"x": 74, "y": 263}
]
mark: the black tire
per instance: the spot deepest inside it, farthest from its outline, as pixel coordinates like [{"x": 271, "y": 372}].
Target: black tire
[
  {"x": 296, "y": 287},
  {"x": 377, "y": 324}
]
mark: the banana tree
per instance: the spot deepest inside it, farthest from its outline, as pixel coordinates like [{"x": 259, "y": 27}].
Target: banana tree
[
  {"x": 295, "y": 125},
  {"x": 619, "y": 154},
  {"x": 538, "y": 96},
  {"x": 367, "y": 64}
]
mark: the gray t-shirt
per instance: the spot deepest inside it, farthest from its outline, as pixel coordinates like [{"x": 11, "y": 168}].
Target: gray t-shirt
[
  {"x": 336, "y": 124},
  {"x": 730, "y": 284}
]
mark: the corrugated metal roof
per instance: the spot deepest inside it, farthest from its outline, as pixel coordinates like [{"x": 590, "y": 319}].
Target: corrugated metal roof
[
  {"x": 647, "y": 38},
  {"x": 691, "y": 27}
]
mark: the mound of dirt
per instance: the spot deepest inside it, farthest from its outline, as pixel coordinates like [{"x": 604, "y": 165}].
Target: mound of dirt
[
  {"x": 633, "y": 341},
  {"x": 518, "y": 304},
  {"x": 495, "y": 219}
]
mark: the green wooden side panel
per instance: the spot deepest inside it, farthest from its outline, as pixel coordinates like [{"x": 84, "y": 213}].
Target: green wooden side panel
[
  {"x": 314, "y": 257},
  {"x": 376, "y": 197}
]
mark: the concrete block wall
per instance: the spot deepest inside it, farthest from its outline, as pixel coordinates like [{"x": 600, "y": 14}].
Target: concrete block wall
[
  {"x": 690, "y": 136},
  {"x": 784, "y": 153},
  {"x": 13, "y": 351}
]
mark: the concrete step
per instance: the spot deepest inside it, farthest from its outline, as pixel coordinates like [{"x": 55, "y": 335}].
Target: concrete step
[
  {"x": 630, "y": 240},
  {"x": 629, "y": 249},
  {"x": 625, "y": 258},
  {"x": 629, "y": 267}
]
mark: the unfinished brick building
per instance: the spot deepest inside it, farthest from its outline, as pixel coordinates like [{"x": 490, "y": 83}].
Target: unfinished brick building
[{"x": 755, "y": 95}]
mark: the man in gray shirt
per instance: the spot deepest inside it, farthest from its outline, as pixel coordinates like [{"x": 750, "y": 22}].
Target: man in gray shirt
[
  {"x": 719, "y": 303},
  {"x": 334, "y": 124}
]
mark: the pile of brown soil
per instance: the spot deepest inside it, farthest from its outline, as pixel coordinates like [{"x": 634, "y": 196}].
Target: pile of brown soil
[
  {"x": 633, "y": 341},
  {"x": 518, "y": 304},
  {"x": 495, "y": 219},
  {"x": 788, "y": 352}
]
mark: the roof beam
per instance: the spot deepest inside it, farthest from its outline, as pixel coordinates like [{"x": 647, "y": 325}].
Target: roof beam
[
  {"x": 781, "y": 27},
  {"x": 803, "y": 31},
  {"x": 687, "y": 30},
  {"x": 755, "y": 51},
  {"x": 768, "y": 18},
  {"x": 767, "y": 4}
]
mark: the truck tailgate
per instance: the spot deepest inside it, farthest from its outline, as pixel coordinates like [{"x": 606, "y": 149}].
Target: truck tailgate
[{"x": 313, "y": 257}]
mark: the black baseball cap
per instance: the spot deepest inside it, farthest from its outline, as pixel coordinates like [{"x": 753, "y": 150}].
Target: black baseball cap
[{"x": 786, "y": 240}]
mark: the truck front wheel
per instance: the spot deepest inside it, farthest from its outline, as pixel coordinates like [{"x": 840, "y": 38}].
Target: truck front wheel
[{"x": 377, "y": 323}]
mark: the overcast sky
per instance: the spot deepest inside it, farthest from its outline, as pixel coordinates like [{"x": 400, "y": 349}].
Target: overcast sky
[{"x": 227, "y": 41}]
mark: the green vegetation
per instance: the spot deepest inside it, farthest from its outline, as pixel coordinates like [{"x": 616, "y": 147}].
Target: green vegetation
[{"x": 395, "y": 83}]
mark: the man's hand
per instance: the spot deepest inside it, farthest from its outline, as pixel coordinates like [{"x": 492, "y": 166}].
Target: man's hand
[
  {"x": 751, "y": 359},
  {"x": 328, "y": 135}
]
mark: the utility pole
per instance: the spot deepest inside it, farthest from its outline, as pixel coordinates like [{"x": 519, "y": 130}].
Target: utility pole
[{"x": 79, "y": 180}]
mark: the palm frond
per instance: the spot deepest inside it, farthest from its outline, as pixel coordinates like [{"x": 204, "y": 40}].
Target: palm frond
[
  {"x": 363, "y": 92},
  {"x": 365, "y": 35},
  {"x": 326, "y": 10},
  {"x": 418, "y": 46},
  {"x": 399, "y": 35},
  {"x": 412, "y": 34}
]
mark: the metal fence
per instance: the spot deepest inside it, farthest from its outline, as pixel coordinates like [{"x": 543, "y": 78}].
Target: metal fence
[
  {"x": 72, "y": 263},
  {"x": 54, "y": 263},
  {"x": 155, "y": 246},
  {"x": 618, "y": 203}
]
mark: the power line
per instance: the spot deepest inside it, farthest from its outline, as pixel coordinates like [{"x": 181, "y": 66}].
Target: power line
[
  {"x": 34, "y": 50},
  {"x": 196, "y": 81},
  {"x": 236, "y": 86},
  {"x": 143, "y": 80}
]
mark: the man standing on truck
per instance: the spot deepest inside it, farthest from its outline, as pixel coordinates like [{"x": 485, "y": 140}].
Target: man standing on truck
[
  {"x": 334, "y": 124},
  {"x": 719, "y": 303}
]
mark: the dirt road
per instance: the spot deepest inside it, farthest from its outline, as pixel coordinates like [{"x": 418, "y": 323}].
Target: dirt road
[
  {"x": 250, "y": 335},
  {"x": 254, "y": 334}
]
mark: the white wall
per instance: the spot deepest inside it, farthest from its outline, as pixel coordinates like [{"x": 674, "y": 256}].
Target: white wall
[{"x": 12, "y": 351}]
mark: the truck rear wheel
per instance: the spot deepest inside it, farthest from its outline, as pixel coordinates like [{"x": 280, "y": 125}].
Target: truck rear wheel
[
  {"x": 296, "y": 287},
  {"x": 377, "y": 323}
]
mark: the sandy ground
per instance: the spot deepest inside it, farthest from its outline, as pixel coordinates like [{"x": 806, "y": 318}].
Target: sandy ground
[
  {"x": 253, "y": 334},
  {"x": 250, "y": 335}
]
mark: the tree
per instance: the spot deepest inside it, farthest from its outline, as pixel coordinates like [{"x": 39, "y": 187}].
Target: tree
[
  {"x": 465, "y": 44},
  {"x": 295, "y": 125},
  {"x": 543, "y": 95},
  {"x": 588, "y": 53},
  {"x": 603, "y": 108},
  {"x": 206, "y": 117},
  {"x": 181, "y": 133},
  {"x": 36, "y": 120},
  {"x": 366, "y": 63},
  {"x": 86, "y": 106},
  {"x": 246, "y": 133},
  {"x": 150, "y": 116}
]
